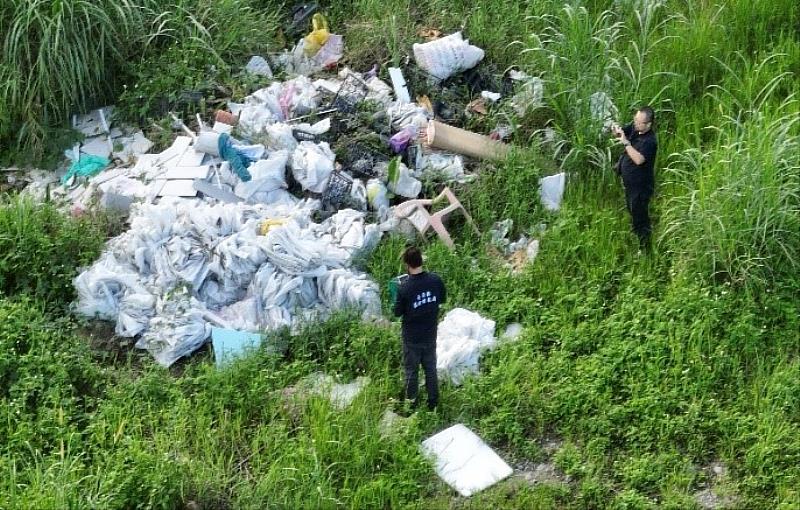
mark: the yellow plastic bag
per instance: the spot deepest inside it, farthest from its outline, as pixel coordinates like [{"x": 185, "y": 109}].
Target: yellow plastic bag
[
  {"x": 269, "y": 224},
  {"x": 318, "y": 37}
]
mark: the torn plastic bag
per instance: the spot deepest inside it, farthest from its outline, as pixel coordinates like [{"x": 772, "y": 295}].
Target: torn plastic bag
[
  {"x": 358, "y": 194},
  {"x": 280, "y": 137},
  {"x": 298, "y": 252},
  {"x": 312, "y": 165},
  {"x": 178, "y": 328},
  {"x": 400, "y": 140},
  {"x": 462, "y": 336},
  {"x": 442, "y": 58},
  {"x": 402, "y": 115},
  {"x": 443, "y": 167},
  {"x": 348, "y": 230},
  {"x": 379, "y": 91},
  {"x": 530, "y": 92},
  {"x": 258, "y": 65},
  {"x": 341, "y": 289},
  {"x": 318, "y": 36},
  {"x": 135, "y": 311},
  {"x": 101, "y": 287},
  {"x": 377, "y": 195},
  {"x": 267, "y": 175},
  {"x": 399, "y": 178},
  {"x": 242, "y": 315}
]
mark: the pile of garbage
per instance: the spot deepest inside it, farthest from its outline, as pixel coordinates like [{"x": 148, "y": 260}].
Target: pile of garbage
[
  {"x": 253, "y": 222},
  {"x": 185, "y": 266}
]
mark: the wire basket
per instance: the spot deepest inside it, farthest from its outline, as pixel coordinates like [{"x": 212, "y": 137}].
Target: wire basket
[
  {"x": 352, "y": 92},
  {"x": 338, "y": 190},
  {"x": 361, "y": 160}
]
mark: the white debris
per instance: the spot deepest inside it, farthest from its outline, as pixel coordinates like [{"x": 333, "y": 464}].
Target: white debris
[
  {"x": 530, "y": 92},
  {"x": 443, "y": 166},
  {"x": 442, "y": 58},
  {"x": 603, "y": 109},
  {"x": 340, "y": 395},
  {"x": 464, "y": 461},
  {"x": 258, "y": 65},
  {"x": 462, "y": 336},
  {"x": 187, "y": 264},
  {"x": 312, "y": 165},
  {"x": 491, "y": 96},
  {"x": 551, "y": 190}
]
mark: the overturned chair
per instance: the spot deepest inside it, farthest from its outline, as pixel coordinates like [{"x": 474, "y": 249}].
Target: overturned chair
[{"x": 417, "y": 213}]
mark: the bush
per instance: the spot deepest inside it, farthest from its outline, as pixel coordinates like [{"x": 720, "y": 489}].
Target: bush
[{"x": 41, "y": 250}]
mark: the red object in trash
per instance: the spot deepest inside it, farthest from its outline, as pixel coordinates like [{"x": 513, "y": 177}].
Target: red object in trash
[{"x": 226, "y": 118}]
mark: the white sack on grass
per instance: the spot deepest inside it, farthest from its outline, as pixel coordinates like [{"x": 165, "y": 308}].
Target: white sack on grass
[
  {"x": 312, "y": 165},
  {"x": 442, "y": 58},
  {"x": 339, "y": 289},
  {"x": 100, "y": 288},
  {"x": 464, "y": 461},
  {"x": 324, "y": 385},
  {"x": 462, "y": 336},
  {"x": 551, "y": 191},
  {"x": 178, "y": 328}
]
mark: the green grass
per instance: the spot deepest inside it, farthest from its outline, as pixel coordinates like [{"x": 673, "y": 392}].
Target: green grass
[{"x": 645, "y": 369}]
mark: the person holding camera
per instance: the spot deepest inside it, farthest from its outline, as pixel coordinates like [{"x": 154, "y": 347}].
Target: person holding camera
[{"x": 636, "y": 165}]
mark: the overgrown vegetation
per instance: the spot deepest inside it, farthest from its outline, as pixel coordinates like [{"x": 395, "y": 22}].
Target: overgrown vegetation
[{"x": 643, "y": 370}]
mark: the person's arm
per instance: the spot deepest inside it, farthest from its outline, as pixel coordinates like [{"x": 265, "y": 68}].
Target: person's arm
[
  {"x": 636, "y": 156},
  {"x": 646, "y": 150},
  {"x": 399, "y": 303},
  {"x": 443, "y": 296}
]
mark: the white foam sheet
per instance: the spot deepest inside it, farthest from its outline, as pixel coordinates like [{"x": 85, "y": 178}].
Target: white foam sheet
[{"x": 464, "y": 461}]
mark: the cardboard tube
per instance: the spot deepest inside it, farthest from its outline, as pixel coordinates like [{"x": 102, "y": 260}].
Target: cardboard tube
[{"x": 460, "y": 141}]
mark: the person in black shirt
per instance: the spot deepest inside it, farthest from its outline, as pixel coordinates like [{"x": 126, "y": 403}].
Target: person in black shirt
[
  {"x": 635, "y": 165},
  {"x": 418, "y": 300}
]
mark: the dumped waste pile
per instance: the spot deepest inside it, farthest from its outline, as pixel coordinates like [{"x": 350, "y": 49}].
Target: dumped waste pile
[{"x": 256, "y": 221}]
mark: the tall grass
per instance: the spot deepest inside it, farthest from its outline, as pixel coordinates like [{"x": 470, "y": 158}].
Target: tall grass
[
  {"x": 62, "y": 57},
  {"x": 58, "y": 56},
  {"x": 738, "y": 214}
]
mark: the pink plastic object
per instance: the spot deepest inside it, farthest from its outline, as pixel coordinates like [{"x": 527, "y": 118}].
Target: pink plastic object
[{"x": 417, "y": 213}]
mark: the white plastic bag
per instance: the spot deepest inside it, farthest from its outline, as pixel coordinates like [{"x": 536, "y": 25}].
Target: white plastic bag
[
  {"x": 551, "y": 190},
  {"x": 462, "y": 335},
  {"x": 376, "y": 195},
  {"x": 442, "y": 58},
  {"x": 312, "y": 165},
  {"x": 267, "y": 175}
]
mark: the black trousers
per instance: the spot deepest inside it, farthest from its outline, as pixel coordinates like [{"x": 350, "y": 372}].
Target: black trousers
[
  {"x": 637, "y": 200},
  {"x": 413, "y": 356}
]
